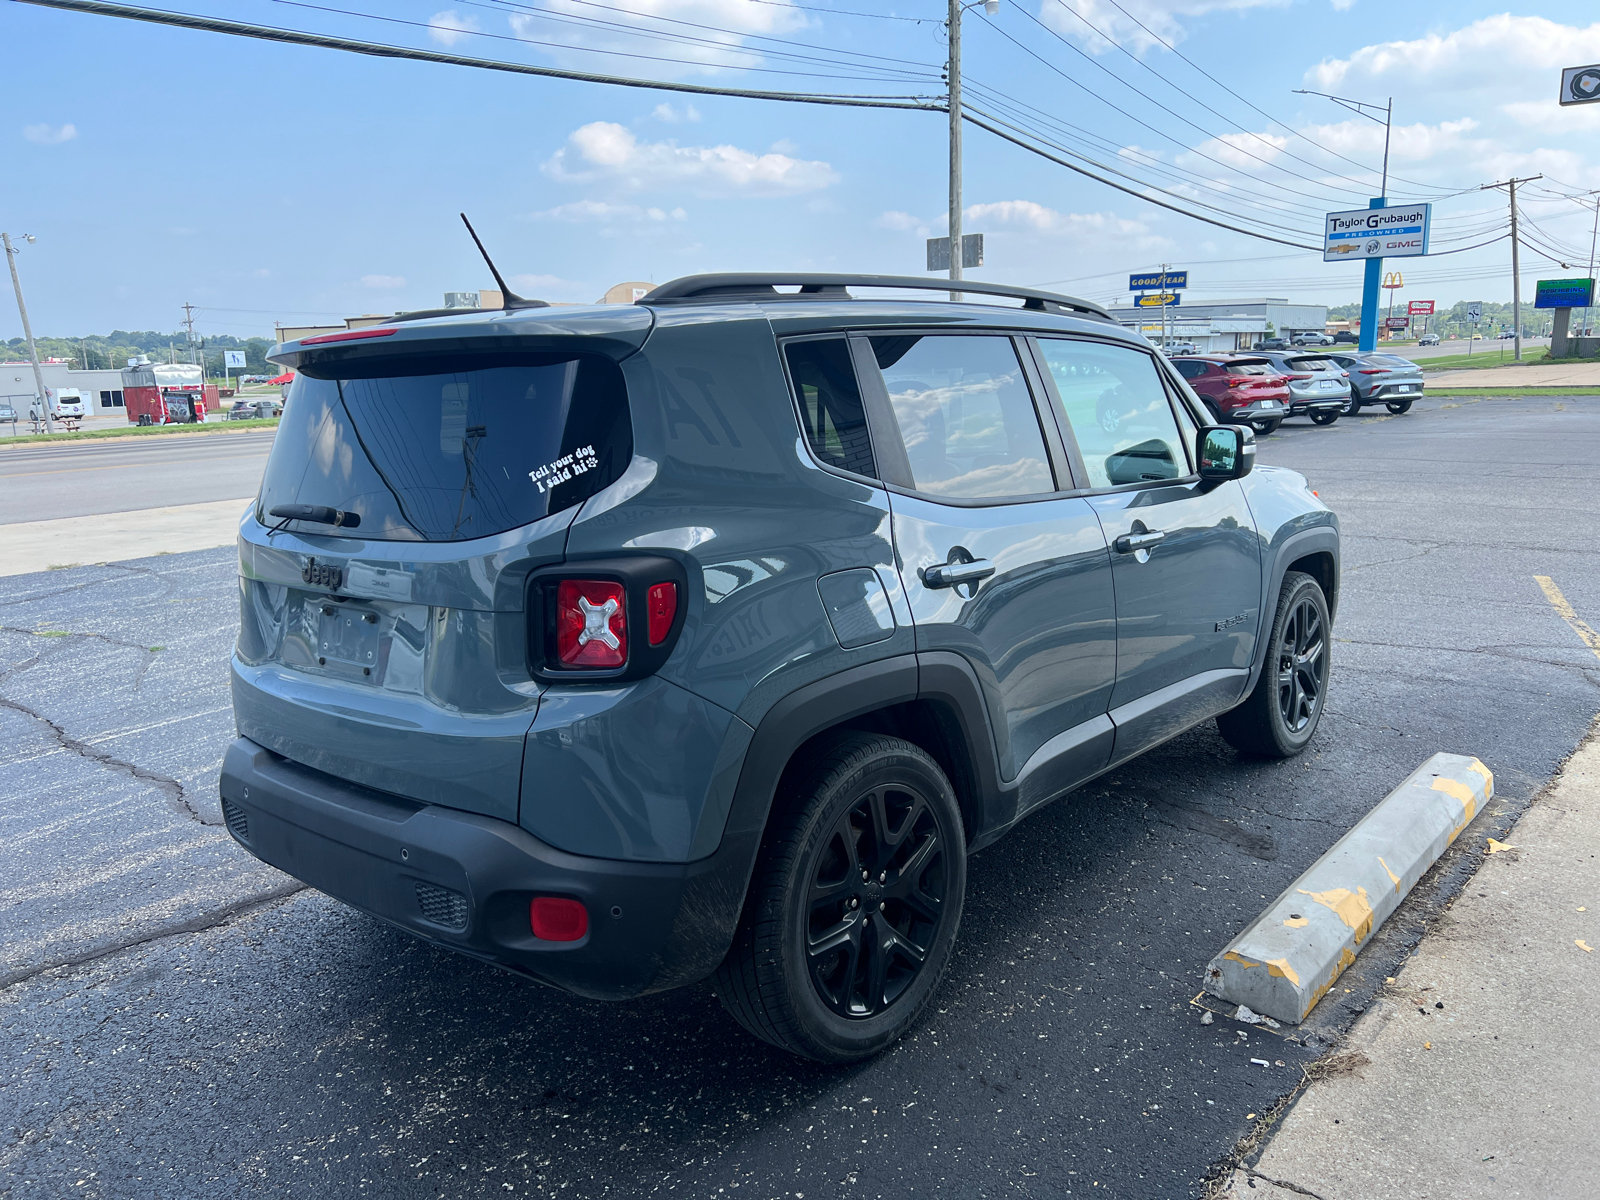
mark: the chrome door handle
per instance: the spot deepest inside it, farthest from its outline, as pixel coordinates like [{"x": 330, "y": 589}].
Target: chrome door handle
[
  {"x": 1131, "y": 543},
  {"x": 945, "y": 575}
]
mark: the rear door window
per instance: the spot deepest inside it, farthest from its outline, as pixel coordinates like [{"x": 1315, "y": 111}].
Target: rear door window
[
  {"x": 1114, "y": 401},
  {"x": 448, "y": 448},
  {"x": 965, "y": 414},
  {"x": 831, "y": 414}
]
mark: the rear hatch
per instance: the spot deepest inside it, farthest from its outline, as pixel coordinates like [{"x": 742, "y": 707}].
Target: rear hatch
[
  {"x": 1398, "y": 374},
  {"x": 1315, "y": 376},
  {"x": 385, "y": 643}
]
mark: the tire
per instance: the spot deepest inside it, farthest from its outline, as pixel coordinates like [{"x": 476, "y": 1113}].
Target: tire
[
  {"x": 1216, "y": 413},
  {"x": 1266, "y": 427},
  {"x": 1351, "y": 407},
  {"x": 1398, "y": 407},
  {"x": 873, "y": 803},
  {"x": 1279, "y": 717},
  {"x": 1325, "y": 417}
]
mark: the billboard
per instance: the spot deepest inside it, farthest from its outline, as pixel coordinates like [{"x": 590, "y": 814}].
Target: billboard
[
  {"x": 1564, "y": 293},
  {"x": 1397, "y": 322},
  {"x": 1580, "y": 85},
  {"x": 1397, "y": 231},
  {"x": 232, "y": 359},
  {"x": 1161, "y": 280},
  {"x": 1156, "y": 300},
  {"x": 1421, "y": 308}
]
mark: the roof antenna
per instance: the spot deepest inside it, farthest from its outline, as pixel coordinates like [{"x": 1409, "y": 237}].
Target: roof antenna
[{"x": 508, "y": 299}]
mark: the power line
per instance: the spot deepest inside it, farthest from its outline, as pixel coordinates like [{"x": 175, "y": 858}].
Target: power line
[{"x": 297, "y": 37}]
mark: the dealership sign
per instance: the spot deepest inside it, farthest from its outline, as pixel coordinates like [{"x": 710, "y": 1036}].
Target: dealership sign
[
  {"x": 1165, "y": 280},
  {"x": 1421, "y": 308},
  {"x": 1580, "y": 85},
  {"x": 1398, "y": 322},
  {"x": 1393, "y": 232},
  {"x": 1564, "y": 293}
]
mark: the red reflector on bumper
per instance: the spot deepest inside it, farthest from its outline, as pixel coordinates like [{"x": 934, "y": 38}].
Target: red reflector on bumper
[{"x": 558, "y": 919}]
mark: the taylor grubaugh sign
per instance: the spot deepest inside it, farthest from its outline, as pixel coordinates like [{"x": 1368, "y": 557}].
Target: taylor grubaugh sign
[{"x": 1393, "y": 232}]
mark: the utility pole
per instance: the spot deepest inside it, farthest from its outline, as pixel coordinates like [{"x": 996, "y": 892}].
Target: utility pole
[
  {"x": 1593, "y": 234},
  {"x": 954, "y": 106},
  {"x": 188, "y": 321},
  {"x": 27, "y": 329},
  {"x": 1516, "y": 268}
]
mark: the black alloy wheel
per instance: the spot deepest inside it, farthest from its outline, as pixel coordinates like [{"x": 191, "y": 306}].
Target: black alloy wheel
[
  {"x": 1302, "y": 665},
  {"x": 1398, "y": 407},
  {"x": 1324, "y": 416},
  {"x": 1279, "y": 717},
  {"x": 855, "y": 902},
  {"x": 1266, "y": 427},
  {"x": 1351, "y": 406}
]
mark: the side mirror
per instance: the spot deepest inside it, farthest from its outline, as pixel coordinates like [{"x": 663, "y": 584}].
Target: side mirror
[{"x": 1226, "y": 452}]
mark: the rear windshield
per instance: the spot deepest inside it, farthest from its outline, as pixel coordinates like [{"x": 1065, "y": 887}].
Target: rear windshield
[
  {"x": 1313, "y": 364},
  {"x": 1250, "y": 369},
  {"x": 449, "y": 448}
]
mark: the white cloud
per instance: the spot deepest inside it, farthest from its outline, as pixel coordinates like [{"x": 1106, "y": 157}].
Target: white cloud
[
  {"x": 449, "y": 27},
  {"x": 1031, "y": 217},
  {"x": 50, "y": 135},
  {"x": 608, "y": 153},
  {"x": 673, "y": 115},
  {"x": 1343, "y": 5},
  {"x": 1137, "y": 24},
  {"x": 383, "y": 283},
  {"x": 1248, "y": 151},
  {"x": 902, "y": 222},
  {"x": 1504, "y": 49},
  {"x": 727, "y": 23},
  {"x": 601, "y": 211}
]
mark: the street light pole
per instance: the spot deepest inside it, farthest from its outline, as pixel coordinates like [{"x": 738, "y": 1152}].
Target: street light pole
[
  {"x": 27, "y": 329},
  {"x": 955, "y": 142}
]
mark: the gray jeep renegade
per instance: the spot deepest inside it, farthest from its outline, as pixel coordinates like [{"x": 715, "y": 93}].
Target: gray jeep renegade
[{"x": 625, "y": 646}]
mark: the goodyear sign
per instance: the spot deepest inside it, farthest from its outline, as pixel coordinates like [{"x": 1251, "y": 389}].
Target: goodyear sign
[
  {"x": 1564, "y": 293},
  {"x": 1156, "y": 300},
  {"x": 1162, "y": 281},
  {"x": 1397, "y": 231}
]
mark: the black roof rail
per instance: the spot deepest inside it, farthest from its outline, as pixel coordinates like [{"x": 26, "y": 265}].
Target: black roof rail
[{"x": 761, "y": 285}]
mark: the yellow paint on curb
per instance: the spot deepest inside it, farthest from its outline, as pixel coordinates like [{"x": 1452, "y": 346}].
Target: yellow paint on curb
[
  {"x": 1281, "y": 968},
  {"x": 1235, "y": 956},
  {"x": 1353, "y": 908},
  {"x": 1345, "y": 959},
  {"x": 1297, "y": 922},
  {"x": 1488, "y": 777},
  {"x": 1462, "y": 794},
  {"x": 1393, "y": 878}
]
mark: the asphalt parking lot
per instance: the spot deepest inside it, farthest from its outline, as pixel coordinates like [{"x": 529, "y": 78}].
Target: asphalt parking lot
[{"x": 181, "y": 1020}]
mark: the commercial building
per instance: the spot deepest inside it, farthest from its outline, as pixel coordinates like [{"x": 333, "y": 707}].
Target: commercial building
[
  {"x": 1220, "y": 325},
  {"x": 103, "y": 389}
]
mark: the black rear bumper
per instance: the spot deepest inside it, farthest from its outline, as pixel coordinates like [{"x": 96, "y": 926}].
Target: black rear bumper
[{"x": 465, "y": 881}]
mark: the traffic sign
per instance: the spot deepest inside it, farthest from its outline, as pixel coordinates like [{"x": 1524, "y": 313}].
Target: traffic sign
[
  {"x": 1580, "y": 85},
  {"x": 1421, "y": 308},
  {"x": 1156, "y": 300},
  {"x": 1564, "y": 293},
  {"x": 1156, "y": 279},
  {"x": 1474, "y": 310},
  {"x": 971, "y": 252},
  {"x": 1392, "y": 232}
]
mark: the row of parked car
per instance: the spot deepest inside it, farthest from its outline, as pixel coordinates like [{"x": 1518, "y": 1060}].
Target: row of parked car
[{"x": 1264, "y": 388}]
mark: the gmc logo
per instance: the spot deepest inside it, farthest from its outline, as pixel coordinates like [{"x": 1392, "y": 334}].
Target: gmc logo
[{"x": 323, "y": 576}]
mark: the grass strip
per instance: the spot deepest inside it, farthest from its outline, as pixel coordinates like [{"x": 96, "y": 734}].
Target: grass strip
[
  {"x": 143, "y": 431},
  {"x": 1514, "y": 393},
  {"x": 1483, "y": 360}
]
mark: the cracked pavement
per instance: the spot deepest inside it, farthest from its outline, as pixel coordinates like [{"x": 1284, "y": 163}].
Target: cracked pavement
[{"x": 180, "y": 1019}]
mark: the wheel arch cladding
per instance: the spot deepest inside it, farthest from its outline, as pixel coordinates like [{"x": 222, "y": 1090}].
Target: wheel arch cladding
[{"x": 1322, "y": 566}]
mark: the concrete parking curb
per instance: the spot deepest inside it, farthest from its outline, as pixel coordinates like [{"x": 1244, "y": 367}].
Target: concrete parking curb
[{"x": 1288, "y": 959}]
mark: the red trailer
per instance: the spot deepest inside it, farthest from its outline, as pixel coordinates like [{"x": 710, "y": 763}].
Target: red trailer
[{"x": 166, "y": 394}]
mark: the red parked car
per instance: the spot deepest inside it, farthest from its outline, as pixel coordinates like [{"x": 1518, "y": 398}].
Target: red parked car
[{"x": 1239, "y": 389}]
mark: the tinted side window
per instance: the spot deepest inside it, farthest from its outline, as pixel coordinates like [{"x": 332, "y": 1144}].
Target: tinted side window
[
  {"x": 830, "y": 404},
  {"x": 1117, "y": 407},
  {"x": 965, "y": 414},
  {"x": 1191, "y": 370}
]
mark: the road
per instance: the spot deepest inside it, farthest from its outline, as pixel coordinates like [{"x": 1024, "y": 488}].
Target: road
[
  {"x": 178, "y": 1020},
  {"x": 40, "y": 481},
  {"x": 1489, "y": 347}
]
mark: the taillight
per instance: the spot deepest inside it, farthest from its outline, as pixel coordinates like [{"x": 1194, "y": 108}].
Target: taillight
[
  {"x": 1232, "y": 382},
  {"x": 349, "y": 335},
  {"x": 558, "y": 919},
  {"x": 661, "y": 602},
  {"x": 1299, "y": 376},
  {"x": 1374, "y": 370},
  {"x": 592, "y": 623}
]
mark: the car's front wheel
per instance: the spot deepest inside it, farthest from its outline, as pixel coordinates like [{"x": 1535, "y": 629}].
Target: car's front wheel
[
  {"x": 1282, "y": 711},
  {"x": 854, "y": 905}
]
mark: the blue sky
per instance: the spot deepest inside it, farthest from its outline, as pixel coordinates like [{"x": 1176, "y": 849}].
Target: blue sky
[{"x": 264, "y": 182}]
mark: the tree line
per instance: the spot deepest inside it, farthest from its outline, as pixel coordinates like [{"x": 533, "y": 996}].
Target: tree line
[{"x": 112, "y": 351}]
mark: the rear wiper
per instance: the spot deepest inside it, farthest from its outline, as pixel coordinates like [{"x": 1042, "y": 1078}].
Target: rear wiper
[{"x": 319, "y": 514}]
